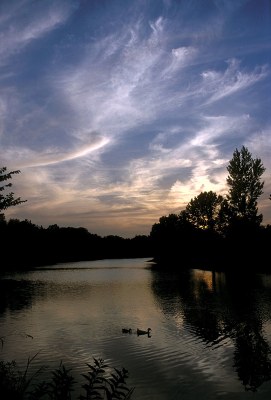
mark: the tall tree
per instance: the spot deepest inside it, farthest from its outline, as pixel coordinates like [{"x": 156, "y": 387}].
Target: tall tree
[
  {"x": 203, "y": 210},
  {"x": 245, "y": 185},
  {"x": 8, "y": 200}
]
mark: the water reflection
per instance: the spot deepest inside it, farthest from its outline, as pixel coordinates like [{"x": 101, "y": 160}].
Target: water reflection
[
  {"x": 210, "y": 332},
  {"x": 18, "y": 294},
  {"x": 220, "y": 309}
]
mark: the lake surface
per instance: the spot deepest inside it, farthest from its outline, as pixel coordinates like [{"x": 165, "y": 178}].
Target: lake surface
[{"x": 210, "y": 338}]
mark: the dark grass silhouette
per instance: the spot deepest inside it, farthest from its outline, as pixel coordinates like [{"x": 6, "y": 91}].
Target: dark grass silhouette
[{"x": 100, "y": 383}]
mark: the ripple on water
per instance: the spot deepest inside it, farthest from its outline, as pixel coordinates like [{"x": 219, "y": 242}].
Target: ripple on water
[{"x": 76, "y": 315}]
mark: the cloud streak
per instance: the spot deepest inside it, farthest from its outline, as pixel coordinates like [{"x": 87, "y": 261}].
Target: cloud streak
[
  {"x": 232, "y": 81},
  {"x": 20, "y": 27}
]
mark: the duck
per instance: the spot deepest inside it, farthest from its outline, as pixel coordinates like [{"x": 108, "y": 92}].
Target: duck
[
  {"x": 141, "y": 332},
  {"x": 125, "y": 330}
]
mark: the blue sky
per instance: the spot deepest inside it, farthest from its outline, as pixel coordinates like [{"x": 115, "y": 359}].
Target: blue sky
[{"x": 120, "y": 111}]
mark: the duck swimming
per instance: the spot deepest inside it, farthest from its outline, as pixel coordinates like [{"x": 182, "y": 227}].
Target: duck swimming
[
  {"x": 124, "y": 330},
  {"x": 141, "y": 332}
]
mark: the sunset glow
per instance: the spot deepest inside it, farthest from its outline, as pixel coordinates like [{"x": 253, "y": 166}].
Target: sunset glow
[{"x": 120, "y": 112}]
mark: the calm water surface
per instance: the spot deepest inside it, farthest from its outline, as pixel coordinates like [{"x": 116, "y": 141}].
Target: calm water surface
[{"x": 210, "y": 338}]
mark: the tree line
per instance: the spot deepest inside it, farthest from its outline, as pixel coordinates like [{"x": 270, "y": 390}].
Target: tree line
[
  {"x": 225, "y": 230},
  {"x": 27, "y": 244}
]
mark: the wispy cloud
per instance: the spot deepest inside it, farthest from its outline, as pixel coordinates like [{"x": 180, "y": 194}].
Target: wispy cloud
[
  {"x": 127, "y": 120},
  {"x": 232, "y": 80},
  {"x": 25, "y": 21},
  {"x": 29, "y": 158}
]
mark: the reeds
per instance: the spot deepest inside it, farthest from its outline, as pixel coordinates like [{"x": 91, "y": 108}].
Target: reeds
[
  {"x": 99, "y": 386},
  {"x": 100, "y": 383}
]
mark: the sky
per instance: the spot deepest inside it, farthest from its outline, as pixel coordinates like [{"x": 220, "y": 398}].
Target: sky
[{"x": 118, "y": 112}]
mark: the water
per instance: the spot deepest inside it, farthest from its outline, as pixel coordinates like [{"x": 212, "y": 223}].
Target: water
[{"x": 210, "y": 338}]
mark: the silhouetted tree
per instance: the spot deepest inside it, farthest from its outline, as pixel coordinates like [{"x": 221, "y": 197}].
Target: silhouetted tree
[
  {"x": 173, "y": 237},
  {"x": 172, "y": 230},
  {"x": 167, "y": 226},
  {"x": 8, "y": 200},
  {"x": 244, "y": 181},
  {"x": 203, "y": 210}
]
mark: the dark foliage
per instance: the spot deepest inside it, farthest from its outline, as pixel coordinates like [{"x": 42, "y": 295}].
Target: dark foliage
[
  {"x": 102, "y": 382},
  {"x": 27, "y": 244},
  {"x": 221, "y": 231},
  {"x": 7, "y": 200}
]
